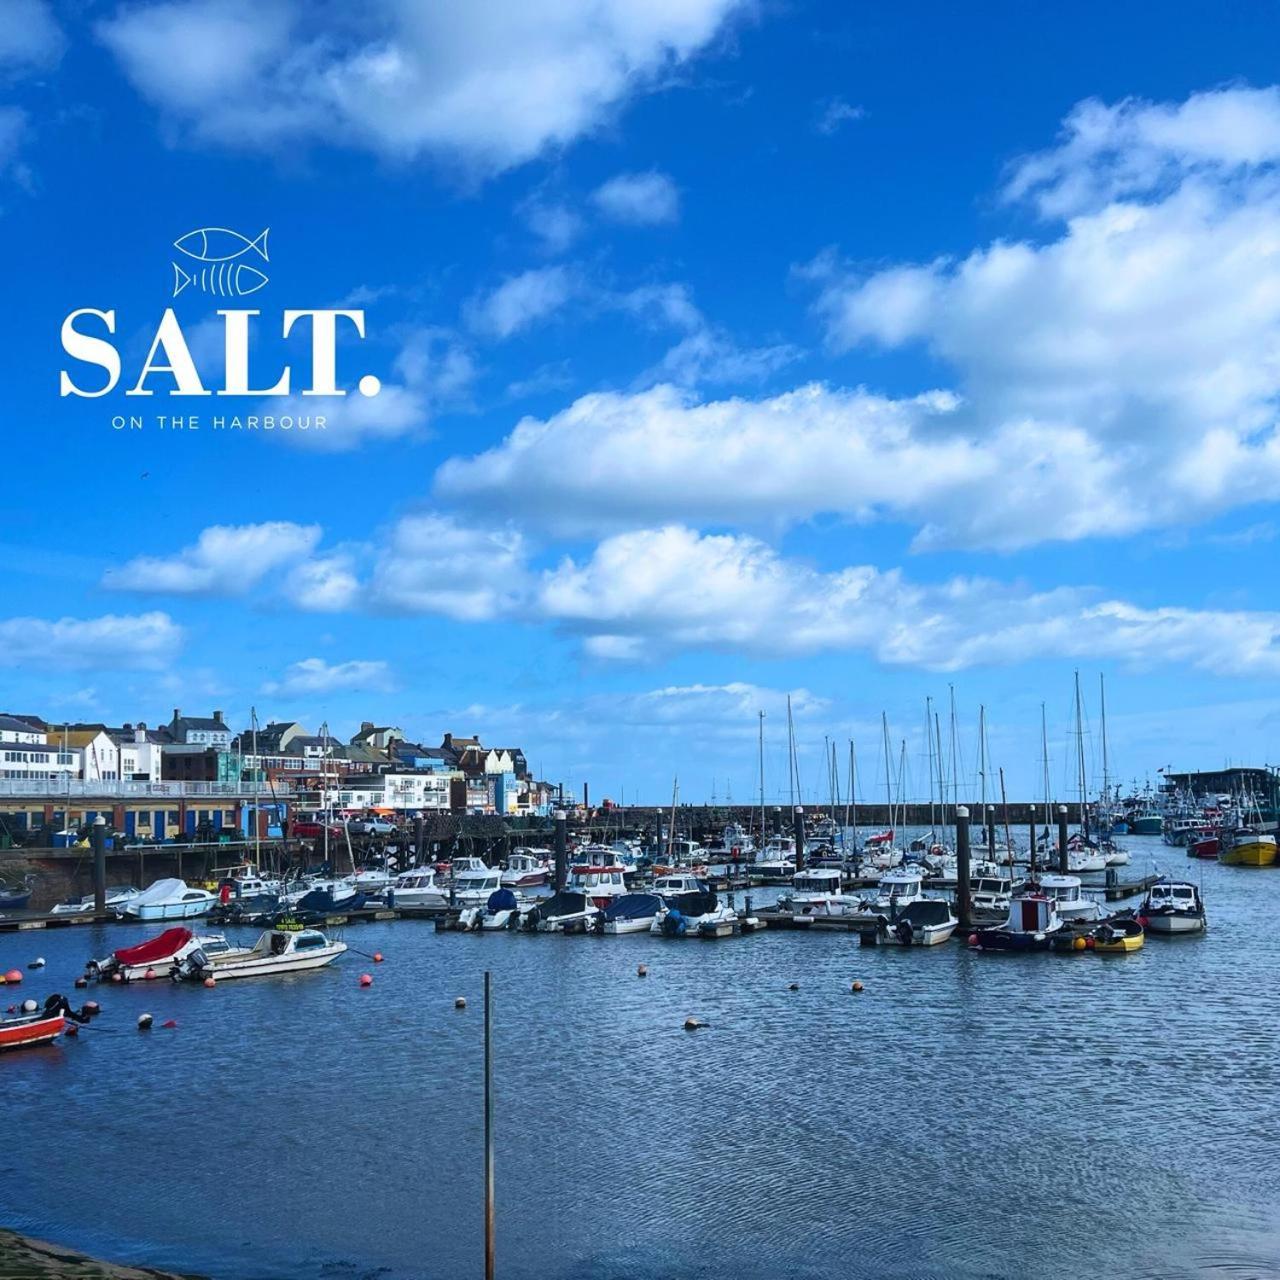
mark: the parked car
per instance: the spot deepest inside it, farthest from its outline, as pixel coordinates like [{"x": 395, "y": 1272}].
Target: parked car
[
  {"x": 372, "y": 826},
  {"x": 306, "y": 829}
]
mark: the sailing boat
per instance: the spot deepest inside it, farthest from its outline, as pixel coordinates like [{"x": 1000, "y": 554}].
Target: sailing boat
[
  {"x": 1083, "y": 853},
  {"x": 1107, "y": 821}
]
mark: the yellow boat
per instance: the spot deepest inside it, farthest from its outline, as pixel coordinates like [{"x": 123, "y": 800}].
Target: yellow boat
[
  {"x": 1250, "y": 849},
  {"x": 1118, "y": 937}
]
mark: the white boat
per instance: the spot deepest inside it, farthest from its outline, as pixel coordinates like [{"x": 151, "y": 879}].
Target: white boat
[
  {"x": 277, "y": 951},
  {"x": 897, "y": 889},
  {"x": 472, "y": 887},
  {"x": 1116, "y": 856},
  {"x": 989, "y": 898},
  {"x": 923, "y": 923},
  {"x": 1086, "y": 859},
  {"x": 156, "y": 955},
  {"x": 601, "y": 884},
  {"x": 116, "y": 900},
  {"x": 373, "y": 881},
  {"x": 564, "y": 912},
  {"x": 631, "y": 913},
  {"x": 817, "y": 892},
  {"x": 1172, "y": 906},
  {"x": 777, "y": 860},
  {"x": 501, "y": 911},
  {"x": 417, "y": 887},
  {"x": 527, "y": 868},
  {"x": 1068, "y": 899},
  {"x": 170, "y": 900}
]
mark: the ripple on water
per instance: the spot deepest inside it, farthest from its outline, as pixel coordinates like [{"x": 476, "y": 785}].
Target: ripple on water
[{"x": 966, "y": 1116}]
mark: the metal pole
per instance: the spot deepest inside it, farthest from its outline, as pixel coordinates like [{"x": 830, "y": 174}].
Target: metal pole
[
  {"x": 963, "y": 913},
  {"x": 1064, "y": 862},
  {"x": 1031, "y": 827},
  {"x": 562, "y": 853},
  {"x": 991, "y": 832},
  {"x": 488, "y": 1133},
  {"x": 797, "y": 830},
  {"x": 98, "y": 840}
]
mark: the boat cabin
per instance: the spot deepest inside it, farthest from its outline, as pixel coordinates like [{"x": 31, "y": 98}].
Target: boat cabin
[
  {"x": 417, "y": 878},
  {"x": 820, "y": 881},
  {"x": 901, "y": 884},
  {"x": 598, "y": 881},
  {"x": 1174, "y": 894},
  {"x": 1062, "y": 889},
  {"x": 1031, "y": 914}
]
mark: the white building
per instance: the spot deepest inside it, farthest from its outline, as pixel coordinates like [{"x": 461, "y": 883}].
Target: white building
[
  {"x": 27, "y": 755},
  {"x": 404, "y": 792},
  {"x": 139, "y": 756}
]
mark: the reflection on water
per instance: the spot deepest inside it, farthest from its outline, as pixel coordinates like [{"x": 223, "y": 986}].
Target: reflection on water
[{"x": 965, "y": 1116}]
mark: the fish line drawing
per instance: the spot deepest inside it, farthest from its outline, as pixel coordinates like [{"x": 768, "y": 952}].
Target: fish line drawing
[{"x": 221, "y": 273}]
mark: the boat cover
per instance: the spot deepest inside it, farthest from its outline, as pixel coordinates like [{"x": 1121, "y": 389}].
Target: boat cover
[
  {"x": 925, "y": 912},
  {"x": 161, "y": 891},
  {"x": 633, "y": 906},
  {"x": 501, "y": 900},
  {"x": 160, "y": 947},
  {"x": 562, "y": 904}
]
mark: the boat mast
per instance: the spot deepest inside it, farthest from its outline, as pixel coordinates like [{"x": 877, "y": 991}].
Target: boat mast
[
  {"x": 888, "y": 782},
  {"x": 852, "y": 805},
  {"x": 793, "y": 770},
  {"x": 1084, "y": 812},
  {"x": 1044, "y": 757},
  {"x": 762, "y": 826},
  {"x": 1106, "y": 773},
  {"x": 671, "y": 833},
  {"x": 955, "y": 772},
  {"x": 928, "y": 737},
  {"x": 982, "y": 757},
  {"x": 942, "y": 773}
]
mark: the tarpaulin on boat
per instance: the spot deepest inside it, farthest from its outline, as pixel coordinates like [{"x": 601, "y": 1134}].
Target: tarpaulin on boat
[
  {"x": 157, "y": 948},
  {"x": 501, "y": 900},
  {"x": 565, "y": 903},
  {"x": 633, "y": 906},
  {"x": 162, "y": 891}
]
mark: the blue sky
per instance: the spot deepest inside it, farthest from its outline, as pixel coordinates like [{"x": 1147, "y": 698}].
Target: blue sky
[{"x": 727, "y": 351}]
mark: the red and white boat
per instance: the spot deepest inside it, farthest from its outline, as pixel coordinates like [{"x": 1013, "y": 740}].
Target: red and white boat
[
  {"x": 156, "y": 955},
  {"x": 600, "y": 884},
  {"x": 31, "y": 1029},
  {"x": 1204, "y": 846},
  {"x": 526, "y": 869}
]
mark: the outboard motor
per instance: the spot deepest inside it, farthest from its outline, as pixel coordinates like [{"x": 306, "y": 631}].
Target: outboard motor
[
  {"x": 674, "y": 924},
  {"x": 56, "y": 1004},
  {"x": 189, "y": 966}
]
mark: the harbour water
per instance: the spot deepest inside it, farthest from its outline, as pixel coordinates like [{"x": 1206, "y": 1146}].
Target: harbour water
[{"x": 967, "y": 1115}]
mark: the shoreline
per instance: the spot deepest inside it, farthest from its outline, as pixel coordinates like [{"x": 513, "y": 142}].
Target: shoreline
[{"x": 23, "y": 1257}]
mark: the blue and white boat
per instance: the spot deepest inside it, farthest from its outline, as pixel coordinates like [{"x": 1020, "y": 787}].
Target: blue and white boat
[
  {"x": 631, "y": 913},
  {"x": 170, "y": 900}
]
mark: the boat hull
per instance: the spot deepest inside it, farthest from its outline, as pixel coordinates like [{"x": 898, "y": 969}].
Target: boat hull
[
  {"x": 1149, "y": 826},
  {"x": 642, "y": 924},
  {"x": 152, "y": 911},
  {"x": 1253, "y": 853},
  {"x": 27, "y": 1033},
  {"x": 270, "y": 966},
  {"x": 1172, "y": 924}
]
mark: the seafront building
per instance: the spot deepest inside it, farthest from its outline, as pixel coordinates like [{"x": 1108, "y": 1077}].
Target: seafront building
[{"x": 195, "y": 777}]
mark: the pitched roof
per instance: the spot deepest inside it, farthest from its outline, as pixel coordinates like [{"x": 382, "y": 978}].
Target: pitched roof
[{"x": 15, "y": 724}]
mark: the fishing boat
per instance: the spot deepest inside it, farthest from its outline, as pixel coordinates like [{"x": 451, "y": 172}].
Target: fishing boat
[
  {"x": 631, "y": 913},
  {"x": 1031, "y": 925},
  {"x": 417, "y": 887},
  {"x": 923, "y": 923},
  {"x": 989, "y": 898},
  {"x": 38, "y": 1026},
  {"x": 526, "y": 868},
  {"x": 277, "y": 951},
  {"x": 116, "y": 900},
  {"x": 1146, "y": 822},
  {"x": 601, "y": 884},
  {"x": 1068, "y": 899},
  {"x": 1118, "y": 936},
  {"x": 155, "y": 955},
  {"x": 1249, "y": 849},
  {"x": 1207, "y": 846},
  {"x": 170, "y": 900},
  {"x": 1173, "y": 906}
]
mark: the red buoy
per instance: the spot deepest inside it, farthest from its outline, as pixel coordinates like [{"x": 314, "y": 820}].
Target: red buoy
[
  {"x": 71, "y": 1029},
  {"x": 973, "y": 939},
  {"x": 377, "y": 957},
  {"x": 14, "y": 975},
  {"x": 210, "y": 981},
  {"x": 366, "y": 980},
  {"x": 169, "y": 1023},
  {"x": 150, "y": 975}
]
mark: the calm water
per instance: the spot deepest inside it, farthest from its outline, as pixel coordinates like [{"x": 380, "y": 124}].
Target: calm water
[{"x": 965, "y": 1116}]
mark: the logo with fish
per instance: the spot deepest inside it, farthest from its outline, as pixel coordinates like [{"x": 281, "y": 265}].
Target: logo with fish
[{"x": 227, "y": 262}]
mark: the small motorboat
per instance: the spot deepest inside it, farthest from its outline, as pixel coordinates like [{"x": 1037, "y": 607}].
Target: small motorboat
[
  {"x": 1068, "y": 898},
  {"x": 277, "y": 951},
  {"x": 1172, "y": 906},
  {"x": 1206, "y": 846},
  {"x": 1031, "y": 926},
  {"x": 156, "y": 955},
  {"x": 15, "y": 897},
  {"x": 564, "y": 912},
  {"x": 116, "y": 900},
  {"x": 39, "y": 1026},
  {"x": 473, "y": 884},
  {"x": 601, "y": 883},
  {"x": 526, "y": 869},
  {"x": 923, "y": 923},
  {"x": 502, "y": 911},
  {"x": 418, "y": 887},
  {"x": 1118, "y": 936},
  {"x": 631, "y": 913},
  {"x": 170, "y": 900}
]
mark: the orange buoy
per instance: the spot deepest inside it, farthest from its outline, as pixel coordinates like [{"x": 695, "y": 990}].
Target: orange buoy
[
  {"x": 857, "y": 986},
  {"x": 377, "y": 957},
  {"x": 117, "y": 976},
  {"x": 150, "y": 975},
  {"x": 210, "y": 981},
  {"x": 973, "y": 939},
  {"x": 366, "y": 980},
  {"x": 13, "y": 976}
]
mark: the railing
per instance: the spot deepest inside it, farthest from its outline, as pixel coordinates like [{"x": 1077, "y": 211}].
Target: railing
[{"x": 57, "y": 790}]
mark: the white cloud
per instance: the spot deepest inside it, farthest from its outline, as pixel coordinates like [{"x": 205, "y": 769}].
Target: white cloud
[
  {"x": 433, "y": 564},
  {"x": 488, "y": 85},
  {"x": 147, "y": 641},
  {"x": 14, "y": 132},
  {"x": 522, "y": 300},
  {"x": 555, "y": 224},
  {"x": 750, "y": 599},
  {"x": 835, "y": 113},
  {"x": 225, "y": 560},
  {"x": 326, "y": 584},
  {"x": 30, "y": 38},
  {"x": 1135, "y": 147},
  {"x": 316, "y": 676},
  {"x": 638, "y": 199}
]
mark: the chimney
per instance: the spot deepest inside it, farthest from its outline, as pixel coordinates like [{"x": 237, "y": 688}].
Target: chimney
[
  {"x": 448, "y": 739},
  {"x": 177, "y": 713},
  {"x": 217, "y": 715}
]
